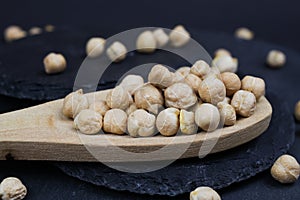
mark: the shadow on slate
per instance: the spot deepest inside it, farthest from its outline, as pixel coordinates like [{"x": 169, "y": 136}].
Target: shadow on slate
[{"x": 217, "y": 171}]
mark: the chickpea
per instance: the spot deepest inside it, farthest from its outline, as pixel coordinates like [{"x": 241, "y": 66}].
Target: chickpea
[
  {"x": 88, "y": 122},
  {"x": 254, "y": 85},
  {"x": 232, "y": 83},
  {"x": 12, "y": 189},
  {"x": 100, "y": 107},
  {"x": 227, "y": 113},
  {"x": 180, "y": 95},
  {"x": 207, "y": 117},
  {"x": 74, "y": 103},
  {"x": 212, "y": 90},
  {"x": 35, "y": 31},
  {"x": 132, "y": 82},
  {"x": 222, "y": 52},
  {"x": 149, "y": 98},
  {"x": 116, "y": 52},
  {"x": 204, "y": 193},
  {"x": 276, "y": 59},
  {"x": 49, "y": 28},
  {"x": 161, "y": 37},
  {"x": 179, "y": 36},
  {"x": 225, "y": 63},
  {"x": 146, "y": 42},
  {"x": 297, "y": 111},
  {"x": 131, "y": 109},
  {"x": 55, "y": 63},
  {"x": 119, "y": 98},
  {"x": 201, "y": 69},
  {"x": 183, "y": 71},
  {"x": 187, "y": 122},
  {"x": 160, "y": 76},
  {"x": 244, "y": 33},
  {"x": 12, "y": 33},
  {"x": 244, "y": 103},
  {"x": 115, "y": 121},
  {"x": 141, "y": 123},
  {"x": 167, "y": 121},
  {"x": 227, "y": 100},
  {"x": 177, "y": 77},
  {"x": 193, "y": 81},
  {"x": 286, "y": 169},
  {"x": 95, "y": 47}
]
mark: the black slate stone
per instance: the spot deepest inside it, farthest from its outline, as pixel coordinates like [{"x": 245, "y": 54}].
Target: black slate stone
[{"x": 217, "y": 171}]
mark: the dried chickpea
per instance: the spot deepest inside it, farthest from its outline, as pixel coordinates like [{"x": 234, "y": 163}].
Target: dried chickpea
[
  {"x": 225, "y": 63},
  {"x": 212, "y": 90},
  {"x": 49, "y": 28},
  {"x": 232, "y": 83},
  {"x": 204, "y": 193},
  {"x": 227, "y": 100},
  {"x": 132, "y": 82},
  {"x": 100, "y": 107},
  {"x": 35, "y": 31},
  {"x": 12, "y": 189},
  {"x": 12, "y": 33},
  {"x": 286, "y": 169},
  {"x": 95, "y": 47},
  {"x": 74, "y": 103},
  {"x": 244, "y": 103},
  {"x": 88, "y": 122},
  {"x": 116, "y": 52},
  {"x": 179, "y": 36},
  {"x": 297, "y": 111},
  {"x": 183, "y": 71},
  {"x": 276, "y": 59},
  {"x": 177, "y": 78},
  {"x": 227, "y": 113},
  {"x": 141, "y": 123},
  {"x": 160, "y": 76},
  {"x": 131, "y": 109},
  {"x": 222, "y": 52},
  {"x": 146, "y": 42},
  {"x": 115, "y": 121},
  {"x": 149, "y": 98},
  {"x": 118, "y": 98},
  {"x": 193, "y": 81},
  {"x": 244, "y": 33},
  {"x": 180, "y": 95},
  {"x": 161, "y": 37},
  {"x": 254, "y": 85},
  {"x": 207, "y": 117},
  {"x": 187, "y": 122},
  {"x": 201, "y": 69},
  {"x": 55, "y": 63},
  {"x": 167, "y": 122}
]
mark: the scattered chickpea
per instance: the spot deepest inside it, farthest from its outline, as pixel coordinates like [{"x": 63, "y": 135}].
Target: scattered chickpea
[
  {"x": 276, "y": 59},
  {"x": 286, "y": 169},
  {"x": 49, "y": 28},
  {"x": 207, "y": 117},
  {"x": 204, "y": 193},
  {"x": 115, "y": 121},
  {"x": 222, "y": 52},
  {"x": 201, "y": 69},
  {"x": 146, "y": 42},
  {"x": 244, "y": 33},
  {"x": 227, "y": 113},
  {"x": 131, "y": 109},
  {"x": 118, "y": 98},
  {"x": 160, "y": 76},
  {"x": 212, "y": 90},
  {"x": 12, "y": 33},
  {"x": 116, "y": 52},
  {"x": 180, "y": 95},
  {"x": 100, "y": 107},
  {"x": 141, "y": 123},
  {"x": 12, "y": 189},
  {"x": 183, "y": 71},
  {"x": 232, "y": 83},
  {"x": 88, "y": 122},
  {"x": 74, "y": 103},
  {"x": 193, "y": 81},
  {"x": 35, "y": 31},
  {"x": 55, "y": 63},
  {"x": 187, "y": 122},
  {"x": 132, "y": 82},
  {"x": 95, "y": 47},
  {"x": 149, "y": 98},
  {"x": 179, "y": 36},
  {"x": 161, "y": 37},
  {"x": 225, "y": 63},
  {"x": 167, "y": 121},
  {"x": 244, "y": 103},
  {"x": 254, "y": 85},
  {"x": 297, "y": 111}
]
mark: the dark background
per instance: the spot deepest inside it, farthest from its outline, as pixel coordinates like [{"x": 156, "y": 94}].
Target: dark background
[{"x": 275, "y": 21}]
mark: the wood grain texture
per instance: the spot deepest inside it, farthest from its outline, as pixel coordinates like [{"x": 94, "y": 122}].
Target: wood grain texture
[{"x": 43, "y": 133}]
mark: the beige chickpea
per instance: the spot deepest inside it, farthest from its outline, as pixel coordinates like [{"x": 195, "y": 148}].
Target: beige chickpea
[
  {"x": 116, "y": 52},
  {"x": 74, "y": 103},
  {"x": 179, "y": 36},
  {"x": 244, "y": 103},
  {"x": 146, "y": 42},
  {"x": 49, "y": 28},
  {"x": 212, "y": 90},
  {"x": 95, "y": 47},
  {"x": 276, "y": 59},
  {"x": 187, "y": 122},
  {"x": 115, "y": 121},
  {"x": 204, "y": 193},
  {"x": 149, "y": 98},
  {"x": 201, "y": 69},
  {"x": 132, "y": 82},
  {"x": 12, "y": 33},
  {"x": 118, "y": 98},
  {"x": 193, "y": 81},
  {"x": 88, "y": 122},
  {"x": 131, "y": 109},
  {"x": 255, "y": 85},
  {"x": 100, "y": 107},
  {"x": 167, "y": 122},
  {"x": 227, "y": 100},
  {"x": 225, "y": 63},
  {"x": 183, "y": 71},
  {"x": 244, "y": 33},
  {"x": 222, "y": 52},
  {"x": 180, "y": 95},
  {"x": 177, "y": 77},
  {"x": 286, "y": 169},
  {"x": 161, "y": 37},
  {"x": 207, "y": 117},
  {"x": 54, "y": 63},
  {"x": 12, "y": 189},
  {"x": 297, "y": 111},
  {"x": 232, "y": 83},
  {"x": 160, "y": 76},
  {"x": 227, "y": 113},
  {"x": 35, "y": 31},
  {"x": 141, "y": 123},
  {"x": 196, "y": 106}
]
